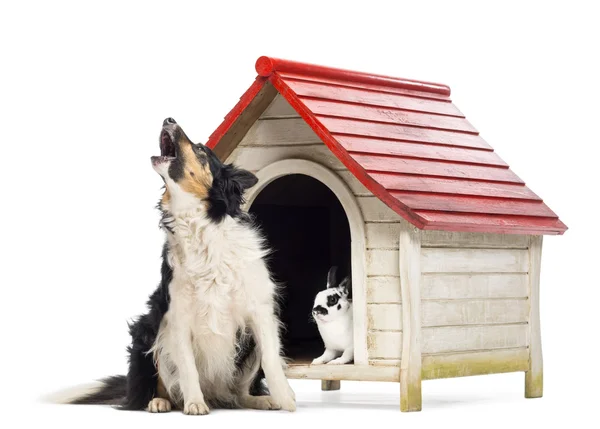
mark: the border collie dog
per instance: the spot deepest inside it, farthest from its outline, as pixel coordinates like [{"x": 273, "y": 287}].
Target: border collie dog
[{"x": 211, "y": 332}]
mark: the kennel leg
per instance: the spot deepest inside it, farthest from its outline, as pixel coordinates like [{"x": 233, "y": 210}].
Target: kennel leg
[
  {"x": 534, "y": 384},
  {"x": 410, "y": 392},
  {"x": 330, "y": 384},
  {"x": 410, "y": 277},
  {"x": 534, "y": 377}
]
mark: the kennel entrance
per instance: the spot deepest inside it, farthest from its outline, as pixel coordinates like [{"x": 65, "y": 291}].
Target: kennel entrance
[{"x": 308, "y": 230}]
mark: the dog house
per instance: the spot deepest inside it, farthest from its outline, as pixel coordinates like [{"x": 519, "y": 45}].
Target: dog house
[{"x": 387, "y": 178}]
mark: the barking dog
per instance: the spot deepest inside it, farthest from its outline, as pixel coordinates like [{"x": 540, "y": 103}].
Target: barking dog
[{"x": 211, "y": 332}]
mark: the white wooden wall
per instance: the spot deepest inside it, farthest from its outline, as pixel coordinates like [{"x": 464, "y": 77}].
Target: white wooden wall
[
  {"x": 474, "y": 300},
  {"x": 474, "y": 286}
]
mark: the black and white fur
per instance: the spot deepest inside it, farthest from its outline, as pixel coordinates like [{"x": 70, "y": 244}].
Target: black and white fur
[
  {"x": 211, "y": 331},
  {"x": 332, "y": 311}
]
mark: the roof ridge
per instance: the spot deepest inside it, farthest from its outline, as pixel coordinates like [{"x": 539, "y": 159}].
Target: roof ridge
[{"x": 266, "y": 66}]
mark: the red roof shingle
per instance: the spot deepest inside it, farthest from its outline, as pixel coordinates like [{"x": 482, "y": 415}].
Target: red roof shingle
[{"x": 409, "y": 145}]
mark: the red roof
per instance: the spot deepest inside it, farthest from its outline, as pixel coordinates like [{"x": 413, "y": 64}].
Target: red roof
[{"x": 407, "y": 143}]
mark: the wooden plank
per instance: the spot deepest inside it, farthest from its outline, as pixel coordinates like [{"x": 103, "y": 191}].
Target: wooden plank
[
  {"x": 280, "y": 132},
  {"x": 473, "y": 286},
  {"x": 449, "y": 339},
  {"x": 255, "y": 158},
  {"x": 498, "y": 224},
  {"x": 384, "y": 114},
  {"x": 465, "y": 364},
  {"x": 383, "y": 289},
  {"x": 375, "y": 210},
  {"x": 355, "y": 185},
  {"x": 336, "y": 88},
  {"x": 402, "y": 132},
  {"x": 410, "y": 275},
  {"x": 448, "y": 260},
  {"x": 481, "y": 337},
  {"x": 478, "y": 363},
  {"x": 534, "y": 377},
  {"x": 386, "y": 317},
  {"x": 471, "y": 312},
  {"x": 390, "y": 164},
  {"x": 473, "y": 240},
  {"x": 279, "y": 107},
  {"x": 382, "y": 235},
  {"x": 455, "y": 186},
  {"x": 382, "y": 262},
  {"x": 384, "y": 345},
  {"x": 468, "y": 204},
  {"x": 385, "y": 362},
  {"x": 419, "y": 150},
  {"x": 342, "y": 372},
  {"x": 239, "y": 120}
]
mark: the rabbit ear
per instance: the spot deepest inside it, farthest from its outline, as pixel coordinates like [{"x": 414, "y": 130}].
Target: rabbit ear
[
  {"x": 345, "y": 285},
  {"x": 331, "y": 277}
]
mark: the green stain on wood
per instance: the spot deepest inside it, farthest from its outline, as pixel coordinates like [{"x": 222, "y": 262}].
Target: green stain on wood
[
  {"x": 410, "y": 390},
  {"x": 410, "y": 397},
  {"x": 534, "y": 384},
  {"x": 435, "y": 366}
]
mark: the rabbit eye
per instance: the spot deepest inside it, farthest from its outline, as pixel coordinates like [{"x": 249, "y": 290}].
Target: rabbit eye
[{"x": 332, "y": 300}]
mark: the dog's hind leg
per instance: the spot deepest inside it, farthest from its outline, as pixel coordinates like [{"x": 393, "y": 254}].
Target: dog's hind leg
[{"x": 161, "y": 402}]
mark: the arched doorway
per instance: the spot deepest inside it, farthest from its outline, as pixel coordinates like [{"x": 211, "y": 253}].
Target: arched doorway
[
  {"x": 305, "y": 175},
  {"x": 308, "y": 230}
]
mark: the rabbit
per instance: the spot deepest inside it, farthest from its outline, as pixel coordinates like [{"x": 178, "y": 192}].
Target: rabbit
[{"x": 332, "y": 311}]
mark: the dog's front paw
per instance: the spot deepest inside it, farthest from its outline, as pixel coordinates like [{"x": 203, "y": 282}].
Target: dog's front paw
[
  {"x": 198, "y": 408},
  {"x": 318, "y": 361},
  {"x": 284, "y": 397},
  {"x": 288, "y": 403}
]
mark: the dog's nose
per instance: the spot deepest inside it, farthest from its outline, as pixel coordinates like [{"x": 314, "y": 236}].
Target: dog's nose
[{"x": 169, "y": 121}]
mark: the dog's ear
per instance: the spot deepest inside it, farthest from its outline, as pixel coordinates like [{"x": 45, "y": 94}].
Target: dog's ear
[
  {"x": 227, "y": 192},
  {"x": 332, "y": 277},
  {"x": 242, "y": 179},
  {"x": 234, "y": 182}
]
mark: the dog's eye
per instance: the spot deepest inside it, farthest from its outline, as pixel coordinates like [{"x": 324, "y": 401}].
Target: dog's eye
[{"x": 192, "y": 173}]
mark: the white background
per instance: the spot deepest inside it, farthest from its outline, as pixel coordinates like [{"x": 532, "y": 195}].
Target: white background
[{"x": 85, "y": 86}]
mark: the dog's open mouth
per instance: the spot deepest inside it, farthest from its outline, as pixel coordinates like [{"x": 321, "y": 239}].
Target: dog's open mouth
[{"x": 167, "y": 149}]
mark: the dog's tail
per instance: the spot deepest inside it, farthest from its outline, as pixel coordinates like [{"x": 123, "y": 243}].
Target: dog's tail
[{"x": 108, "y": 391}]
